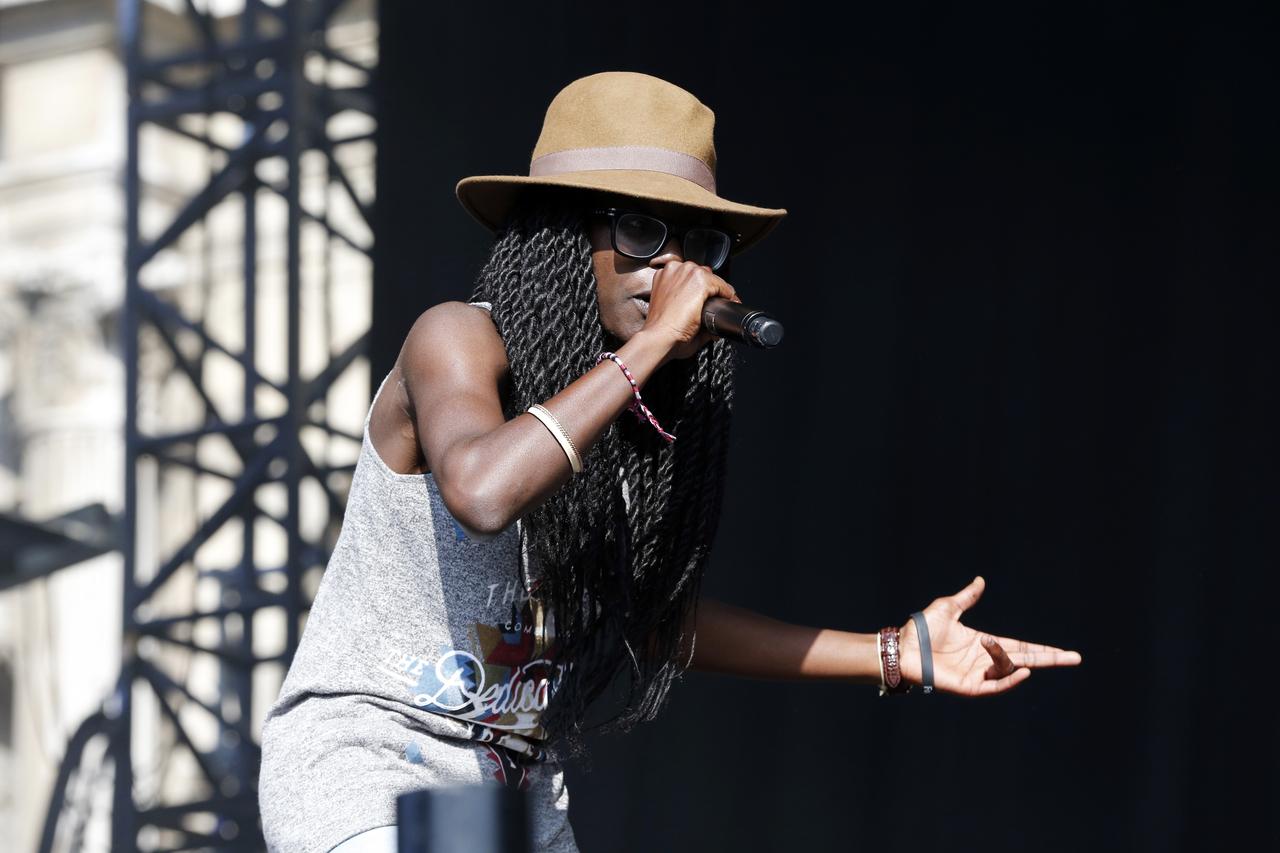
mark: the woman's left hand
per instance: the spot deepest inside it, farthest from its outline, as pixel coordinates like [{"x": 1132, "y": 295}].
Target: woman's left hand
[{"x": 969, "y": 662}]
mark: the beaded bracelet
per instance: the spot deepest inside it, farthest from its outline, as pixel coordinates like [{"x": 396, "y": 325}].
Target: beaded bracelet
[
  {"x": 891, "y": 681},
  {"x": 637, "y": 406}
]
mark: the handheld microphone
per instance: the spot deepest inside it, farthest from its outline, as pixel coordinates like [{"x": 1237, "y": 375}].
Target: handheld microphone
[{"x": 735, "y": 321}]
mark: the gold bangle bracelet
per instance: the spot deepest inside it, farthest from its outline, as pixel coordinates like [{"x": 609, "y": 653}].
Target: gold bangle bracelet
[{"x": 549, "y": 421}]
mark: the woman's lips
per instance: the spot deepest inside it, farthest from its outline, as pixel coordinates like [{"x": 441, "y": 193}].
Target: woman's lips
[{"x": 643, "y": 303}]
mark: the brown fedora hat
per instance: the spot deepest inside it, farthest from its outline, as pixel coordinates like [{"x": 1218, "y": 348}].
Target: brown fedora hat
[{"x": 624, "y": 133}]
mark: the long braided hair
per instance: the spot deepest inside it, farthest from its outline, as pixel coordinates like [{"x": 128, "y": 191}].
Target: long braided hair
[{"x": 619, "y": 573}]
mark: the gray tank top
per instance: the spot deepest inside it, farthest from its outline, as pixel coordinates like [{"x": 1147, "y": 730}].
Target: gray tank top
[{"x": 414, "y": 617}]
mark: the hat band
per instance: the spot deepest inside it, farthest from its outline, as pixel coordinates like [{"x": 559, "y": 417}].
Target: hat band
[{"x": 631, "y": 157}]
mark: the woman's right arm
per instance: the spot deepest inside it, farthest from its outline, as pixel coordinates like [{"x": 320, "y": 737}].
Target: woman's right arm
[{"x": 491, "y": 471}]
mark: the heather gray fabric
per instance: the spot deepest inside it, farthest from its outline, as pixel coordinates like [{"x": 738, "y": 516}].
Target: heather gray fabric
[
  {"x": 425, "y": 661},
  {"x": 382, "y": 839}
]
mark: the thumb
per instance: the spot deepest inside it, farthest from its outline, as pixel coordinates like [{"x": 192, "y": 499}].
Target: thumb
[{"x": 969, "y": 596}]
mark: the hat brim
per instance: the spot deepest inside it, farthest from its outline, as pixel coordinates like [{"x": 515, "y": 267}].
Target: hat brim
[{"x": 489, "y": 198}]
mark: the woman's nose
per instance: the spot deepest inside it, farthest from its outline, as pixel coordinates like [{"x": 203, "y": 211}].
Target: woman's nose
[{"x": 671, "y": 251}]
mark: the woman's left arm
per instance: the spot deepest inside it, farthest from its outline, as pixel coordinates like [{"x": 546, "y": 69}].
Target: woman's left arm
[{"x": 737, "y": 641}]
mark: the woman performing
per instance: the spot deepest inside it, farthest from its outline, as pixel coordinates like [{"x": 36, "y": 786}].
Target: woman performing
[{"x": 536, "y": 498}]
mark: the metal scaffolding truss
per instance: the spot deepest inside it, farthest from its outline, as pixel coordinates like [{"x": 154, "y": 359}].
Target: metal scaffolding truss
[{"x": 256, "y": 73}]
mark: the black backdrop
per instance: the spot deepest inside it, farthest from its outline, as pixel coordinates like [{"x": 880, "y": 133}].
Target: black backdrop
[{"x": 1026, "y": 280}]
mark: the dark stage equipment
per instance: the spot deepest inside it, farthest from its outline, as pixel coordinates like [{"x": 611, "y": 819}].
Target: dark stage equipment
[{"x": 463, "y": 819}]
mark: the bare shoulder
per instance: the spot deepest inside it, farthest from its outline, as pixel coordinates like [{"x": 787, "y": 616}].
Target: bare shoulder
[
  {"x": 451, "y": 347},
  {"x": 456, "y": 379},
  {"x": 454, "y": 335}
]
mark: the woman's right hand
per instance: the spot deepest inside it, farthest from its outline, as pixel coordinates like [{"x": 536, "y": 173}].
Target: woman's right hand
[{"x": 680, "y": 289}]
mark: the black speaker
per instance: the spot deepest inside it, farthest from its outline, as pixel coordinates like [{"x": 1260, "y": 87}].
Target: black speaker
[{"x": 464, "y": 819}]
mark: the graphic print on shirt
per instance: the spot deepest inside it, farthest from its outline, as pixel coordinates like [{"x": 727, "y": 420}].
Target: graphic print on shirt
[{"x": 504, "y": 681}]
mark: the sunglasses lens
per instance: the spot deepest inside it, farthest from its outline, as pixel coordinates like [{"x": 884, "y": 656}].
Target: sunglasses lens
[
  {"x": 640, "y": 235},
  {"x": 706, "y": 246}
]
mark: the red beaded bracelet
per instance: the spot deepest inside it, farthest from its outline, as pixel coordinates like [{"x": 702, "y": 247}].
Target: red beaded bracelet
[{"x": 637, "y": 406}]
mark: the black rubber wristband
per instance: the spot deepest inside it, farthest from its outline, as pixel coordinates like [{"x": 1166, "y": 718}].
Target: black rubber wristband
[{"x": 926, "y": 651}]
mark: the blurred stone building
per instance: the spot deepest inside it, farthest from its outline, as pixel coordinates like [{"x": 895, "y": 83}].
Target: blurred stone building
[{"x": 62, "y": 396}]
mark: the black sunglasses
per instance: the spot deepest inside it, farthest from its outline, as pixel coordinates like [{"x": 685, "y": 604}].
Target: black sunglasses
[{"x": 641, "y": 236}]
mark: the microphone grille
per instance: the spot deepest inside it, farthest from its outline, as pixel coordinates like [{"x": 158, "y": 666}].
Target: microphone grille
[{"x": 765, "y": 331}]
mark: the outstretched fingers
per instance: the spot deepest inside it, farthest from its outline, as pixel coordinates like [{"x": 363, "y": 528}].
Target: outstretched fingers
[
  {"x": 1039, "y": 660},
  {"x": 1037, "y": 654}
]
